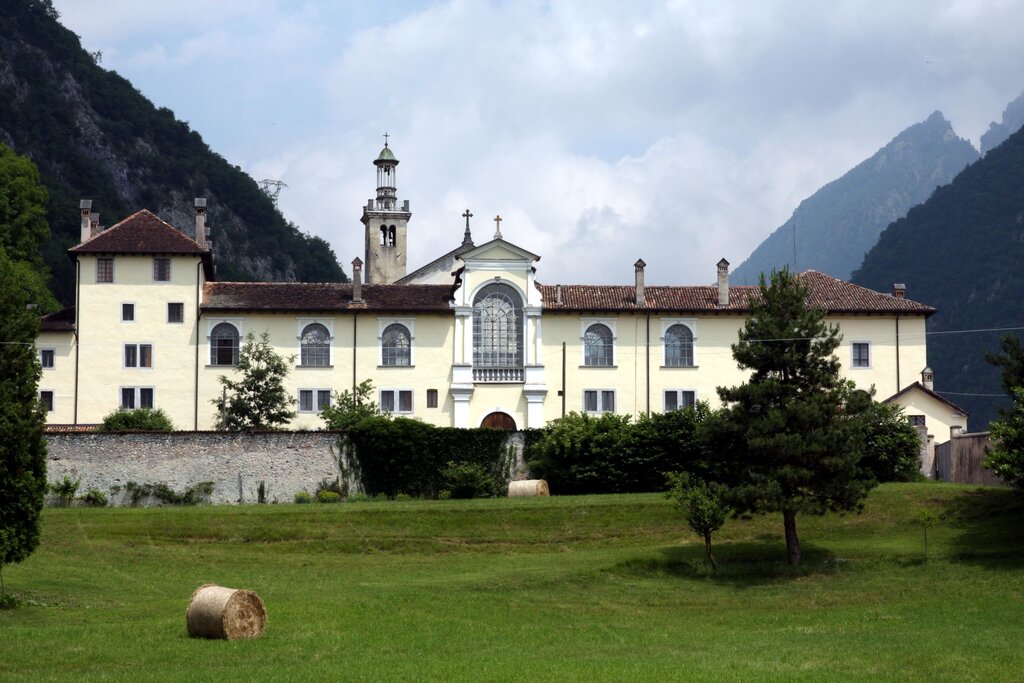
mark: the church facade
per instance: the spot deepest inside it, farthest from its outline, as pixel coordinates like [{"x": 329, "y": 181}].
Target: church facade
[{"x": 472, "y": 338}]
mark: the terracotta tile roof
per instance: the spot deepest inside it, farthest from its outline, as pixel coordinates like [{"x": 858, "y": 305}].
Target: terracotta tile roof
[
  {"x": 323, "y": 296},
  {"x": 69, "y": 429},
  {"x": 825, "y": 292},
  {"x": 141, "y": 233},
  {"x": 61, "y": 321}
]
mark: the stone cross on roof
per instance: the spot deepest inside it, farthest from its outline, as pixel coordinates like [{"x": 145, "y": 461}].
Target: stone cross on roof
[{"x": 497, "y": 226}]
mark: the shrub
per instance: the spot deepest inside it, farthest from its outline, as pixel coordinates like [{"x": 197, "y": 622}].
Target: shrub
[
  {"x": 193, "y": 495},
  {"x": 325, "y": 496},
  {"x": 892, "y": 450},
  {"x": 65, "y": 490},
  {"x": 612, "y": 454},
  {"x": 334, "y": 486},
  {"x": 261, "y": 493},
  {"x": 95, "y": 498},
  {"x": 403, "y": 456},
  {"x": 303, "y": 497},
  {"x": 468, "y": 480},
  {"x": 137, "y": 420}
]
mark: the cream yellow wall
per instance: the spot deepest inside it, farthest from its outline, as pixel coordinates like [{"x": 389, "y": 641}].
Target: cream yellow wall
[
  {"x": 713, "y": 362},
  {"x": 102, "y": 336},
  {"x": 431, "y": 358},
  {"x": 939, "y": 416},
  {"x": 60, "y": 379}
]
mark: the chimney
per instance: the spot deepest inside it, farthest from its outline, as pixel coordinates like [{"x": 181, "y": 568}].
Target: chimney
[
  {"x": 85, "y": 208},
  {"x": 899, "y": 290},
  {"x": 95, "y": 228},
  {"x": 928, "y": 379},
  {"x": 639, "y": 268},
  {"x": 200, "y": 205},
  {"x": 357, "y": 280},
  {"x": 723, "y": 283},
  {"x": 558, "y": 294}
]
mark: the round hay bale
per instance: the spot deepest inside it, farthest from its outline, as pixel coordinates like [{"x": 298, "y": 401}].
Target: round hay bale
[
  {"x": 228, "y": 613},
  {"x": 528, "y": 487}
]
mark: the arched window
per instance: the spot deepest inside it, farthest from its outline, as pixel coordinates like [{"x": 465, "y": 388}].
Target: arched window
[
  {"x": 391, "y": 236},
  {"x": 597, "y": 346},
  {"x": 315, "y": 346},
  {"x": 498, "y": 328},
  {"x": 383, "y": 235},
  {"x": 678, "y": 347},
  {"x": 224, "y": 344},
  {"x": 396, "y": 345}
]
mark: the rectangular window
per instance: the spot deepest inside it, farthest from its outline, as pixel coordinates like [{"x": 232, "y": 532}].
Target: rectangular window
[
  {"x": 47, "y": 398},
  {"x": 127, "y": 313},
  {"x": 676, "y": 399},
  {"x": 396, "y": 401},
  {"x": 314, "y": 400},
  {"x": 105, "y": 269},
  {"x": 161, "y": 269},
  {"x": 46, "y": 358},
  {"x": 136, "y": 397},
  {"x": 175, "y": 313},
  {"x": 599, "y": 401},
  {"x": 861, "y": 355},
  {"x": 916, "y": 420},
  {"x": 138, "y": 355},
  {"x": 431, "y": 398}
]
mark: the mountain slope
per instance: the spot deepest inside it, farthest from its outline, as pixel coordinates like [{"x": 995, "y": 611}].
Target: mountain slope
[
  {"x": 961, "y": 251},
  {"x": 92, "y": 135},
  {"x": 836, "y": 225},
  {"x": 1013, "y": 119}
]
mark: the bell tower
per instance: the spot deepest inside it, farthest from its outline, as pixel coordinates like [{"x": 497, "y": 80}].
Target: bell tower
[{"x": 386, "y": 224}]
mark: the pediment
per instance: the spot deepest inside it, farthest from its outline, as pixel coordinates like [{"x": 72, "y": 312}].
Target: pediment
[{"x": 499, "y": 250}]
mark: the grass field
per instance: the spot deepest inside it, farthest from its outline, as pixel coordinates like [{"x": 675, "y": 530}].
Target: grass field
[{"x": 573, "y": 588}]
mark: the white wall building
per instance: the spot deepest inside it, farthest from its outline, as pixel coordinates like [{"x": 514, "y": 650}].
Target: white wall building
[{"x": 471, "y": 338}]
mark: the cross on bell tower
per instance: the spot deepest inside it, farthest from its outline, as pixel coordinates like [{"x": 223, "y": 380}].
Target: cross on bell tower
[{"x": 386, "y": 223}]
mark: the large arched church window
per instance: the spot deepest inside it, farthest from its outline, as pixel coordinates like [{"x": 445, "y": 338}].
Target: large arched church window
[
  {"x": 396, "y": 345},
  {"x": 224, "y": 344},
  {"x": 678, "y": 346},
  {"x": 498, "y": 333},
  {"x": 597, "y": 346},
  {"x": 315, "y": 346}
]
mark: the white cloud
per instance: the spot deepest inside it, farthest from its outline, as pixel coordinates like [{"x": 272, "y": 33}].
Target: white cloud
[{"x": 679, "y": 132}]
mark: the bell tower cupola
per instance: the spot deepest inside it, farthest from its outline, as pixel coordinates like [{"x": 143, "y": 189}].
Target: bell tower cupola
[{"x": 386, "y": 224}]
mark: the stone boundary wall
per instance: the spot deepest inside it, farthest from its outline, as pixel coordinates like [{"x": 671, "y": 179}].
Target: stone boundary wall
[
  {"x": 287, "y": 462},
  {"x": 236, "y": 463}
]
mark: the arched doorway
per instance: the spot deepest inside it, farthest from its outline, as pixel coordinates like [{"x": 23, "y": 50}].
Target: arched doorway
[{"x": 499, "y": 420}]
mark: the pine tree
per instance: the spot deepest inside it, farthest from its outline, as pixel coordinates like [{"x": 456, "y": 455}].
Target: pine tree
[
  {"x": 22, "y": 446},
  {"x": 790, "y": 436},
  {"x": 258, "y": 400}
]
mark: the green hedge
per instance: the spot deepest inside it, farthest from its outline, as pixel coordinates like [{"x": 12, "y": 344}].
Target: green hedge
[
  {"x": 402, "y": 456},
  {"x": 580, "y": 453}
]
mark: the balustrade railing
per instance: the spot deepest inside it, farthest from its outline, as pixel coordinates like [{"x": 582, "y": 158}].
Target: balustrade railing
[{"x": 498, "y": 375}]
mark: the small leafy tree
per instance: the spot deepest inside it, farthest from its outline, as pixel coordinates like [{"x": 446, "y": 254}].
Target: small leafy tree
[
  {"x": 349, "y": 408},
  {"x": 258, "y": 400},
  {"x": 1006, "y": 459},
  {"x": 926, "y": 519},
  {"x": 790, "y": 437},
  {"x": 137, "y": 420},
  {"x": 704, "y": 510},
  {"x": 892, "y": 449}
]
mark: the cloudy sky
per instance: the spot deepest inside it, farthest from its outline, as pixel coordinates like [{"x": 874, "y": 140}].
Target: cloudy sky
[{"x": 679, "y": 131}]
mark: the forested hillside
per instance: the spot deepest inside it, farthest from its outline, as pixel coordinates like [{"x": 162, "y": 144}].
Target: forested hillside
[
  {"x": 832, "y": 229},
  {"x": 93, "y": 135},
  {"x": 962, "y": 251}
]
